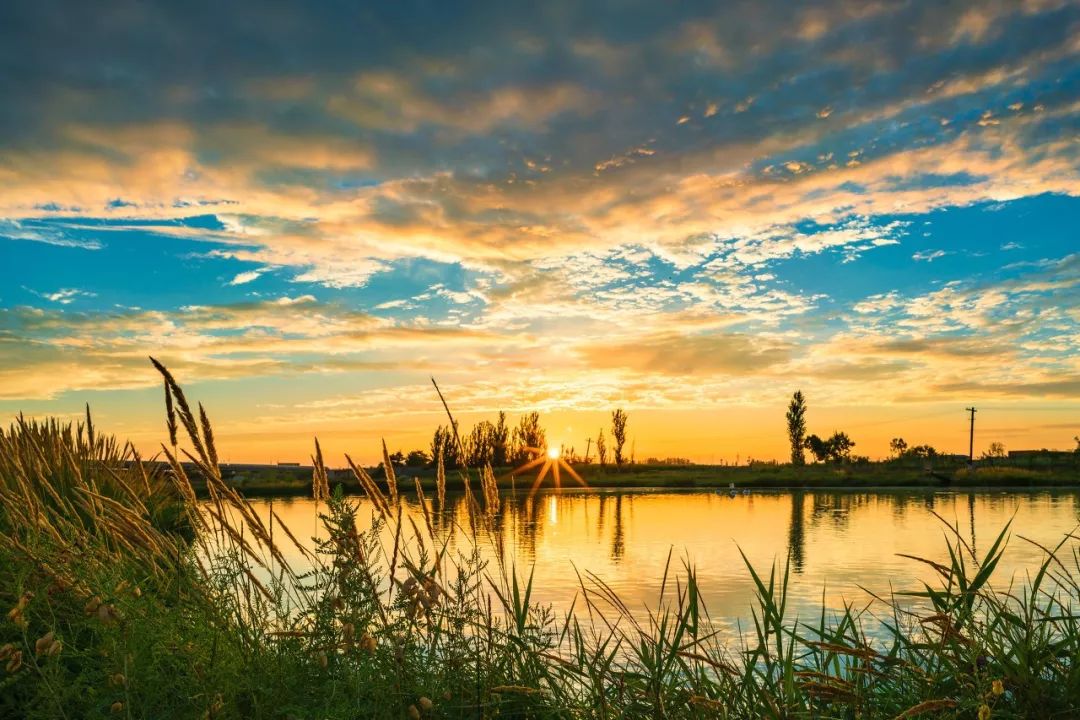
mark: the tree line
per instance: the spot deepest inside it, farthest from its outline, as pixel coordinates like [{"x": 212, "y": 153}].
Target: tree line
[
  {"x": 835, "y": 448},
  {"x": 499, "y": 445}
]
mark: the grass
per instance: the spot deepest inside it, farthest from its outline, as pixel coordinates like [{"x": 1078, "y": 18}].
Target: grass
[
  {"x": 272, "y": 481},
  {"x": 118, "y": 610}
]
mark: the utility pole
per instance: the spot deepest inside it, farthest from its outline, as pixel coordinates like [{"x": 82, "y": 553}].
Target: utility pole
[
  {"x": 588, "y": 445},
  {"x": 971, "y": 437}
]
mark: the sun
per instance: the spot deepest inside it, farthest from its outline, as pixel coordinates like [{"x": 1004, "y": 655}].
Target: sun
[{"x": 549, "y": 459}]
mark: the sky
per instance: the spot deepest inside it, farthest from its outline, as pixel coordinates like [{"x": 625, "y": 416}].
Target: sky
[{"x": 308, "y": 209}]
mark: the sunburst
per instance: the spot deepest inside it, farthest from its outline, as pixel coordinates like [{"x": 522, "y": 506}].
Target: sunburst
[{"x": 549, "y": 459}]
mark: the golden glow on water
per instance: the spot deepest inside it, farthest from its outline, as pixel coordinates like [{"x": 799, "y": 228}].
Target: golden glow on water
[{"x": 837, "y": 541}]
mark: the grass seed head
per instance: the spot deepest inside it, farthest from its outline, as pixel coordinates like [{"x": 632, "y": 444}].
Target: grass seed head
[
  {"x": 43, "y": 643},
  {"x": 14, "y": 662},
  {"x": 117, "y": 707},
  {"x": 425, "y": 703},
  {"x": 15, "y": 615},
  {"x": 107, "y": 614},
  {"x": 414, "y": 713}
]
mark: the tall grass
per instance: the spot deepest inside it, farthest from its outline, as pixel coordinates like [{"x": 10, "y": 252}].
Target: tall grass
[{"x": 148, "y": 622}]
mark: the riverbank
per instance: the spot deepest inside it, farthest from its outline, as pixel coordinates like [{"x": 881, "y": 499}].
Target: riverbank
[
  {"x": 267, "y": 481},
  {"x": 116, "y": 609}
]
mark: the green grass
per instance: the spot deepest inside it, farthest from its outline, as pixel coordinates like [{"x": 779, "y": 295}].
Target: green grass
[
  {"x": 190, "y": 626},
  {"x": 277, "y": 481}
]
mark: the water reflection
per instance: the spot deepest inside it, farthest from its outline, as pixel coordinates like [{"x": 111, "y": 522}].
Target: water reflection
[
  {"x": 796, "y": 538},
  {"x": 836, "y": 541},
  {"x": 971, "y": 516},
  {"x": 618, "y": 537}
]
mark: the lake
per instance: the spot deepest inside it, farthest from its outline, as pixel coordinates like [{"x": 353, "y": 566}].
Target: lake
[{"x": 839, "y": 542}]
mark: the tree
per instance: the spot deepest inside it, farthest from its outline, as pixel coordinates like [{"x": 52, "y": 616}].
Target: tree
[
  {"x": 438, "y": 443},
  {"x": 796, "y": 427},
  {"x": 922, "y": 451},
  {"x": 481, "y": 444},
  {"x": 818, "y": 447},
  {"x": 397, "y": 458},
  {"x": 443, "y": 442},
  {"x": 618, "y": 431},
  {"x": 1077, "y": 439},
  {"x": 898, "y": 447},
  {"x": 837, "y": 448},
  {"x": 527, "y": 434},
  {"x": 601, "y": 448},
  {"x": 417, "y": 458},
  {"x": 996, "y": 451},
  {"x": 500, "y": 449},
  {"x": 840, "y": 446}
]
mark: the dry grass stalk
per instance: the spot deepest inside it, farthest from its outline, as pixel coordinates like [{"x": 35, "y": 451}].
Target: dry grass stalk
[
  {"x": 926, "y": 707},
  {"x": 208, "y": 434},
  {"x": 391, "y": 477},
  {"x": 320, "y": 482},
  {"x": 490, "y": 488},
  {"x": 424, "y": 507},
  {"x": 187, "y": 418},
  {"x": 397, "y": 547},
  {"x": 440, "y": 477},
  {"x": 170, "y": 414},
  {"x": 369, "y": 487}
]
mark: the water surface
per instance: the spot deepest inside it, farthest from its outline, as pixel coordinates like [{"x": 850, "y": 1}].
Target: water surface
[{"x": 841, "y": 544}]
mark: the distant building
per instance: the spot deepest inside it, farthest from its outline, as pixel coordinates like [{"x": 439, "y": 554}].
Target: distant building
[{"x": 288, "y": 464}]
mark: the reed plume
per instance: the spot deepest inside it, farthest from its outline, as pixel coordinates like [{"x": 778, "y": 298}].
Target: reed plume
[
  {"x": 391, "y": 477},
  {"x": 440, "y": 477}
]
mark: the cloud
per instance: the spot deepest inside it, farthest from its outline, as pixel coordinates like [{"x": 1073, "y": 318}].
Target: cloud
[
  {"x": 34, "y": 232},
  {"x": 64, "y": 296},
  {"x": 687, "y": 355},
  {"x": 288, "y": 334},
  {"x": 1061, "y": 387},
  {"x": 245, "y": 277},
  {"x": 668, "y": 205}
]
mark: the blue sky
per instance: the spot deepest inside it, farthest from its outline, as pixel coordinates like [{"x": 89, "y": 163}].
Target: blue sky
[{"x": 558, "y": 205}]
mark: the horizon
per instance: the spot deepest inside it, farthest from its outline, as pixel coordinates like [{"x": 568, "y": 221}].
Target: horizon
[{"x": 687, "y": 213}]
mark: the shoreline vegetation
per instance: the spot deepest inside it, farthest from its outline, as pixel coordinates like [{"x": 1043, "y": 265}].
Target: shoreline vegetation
[
  {"x": 282, "y": 480},
  {"x": 126, "y": 597}
]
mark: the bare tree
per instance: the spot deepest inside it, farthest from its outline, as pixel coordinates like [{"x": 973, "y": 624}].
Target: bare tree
[{"x": 601, "y": 447}]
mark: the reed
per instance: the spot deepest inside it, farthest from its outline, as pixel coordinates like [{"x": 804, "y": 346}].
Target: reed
[{"x": 113, "y": 612}]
